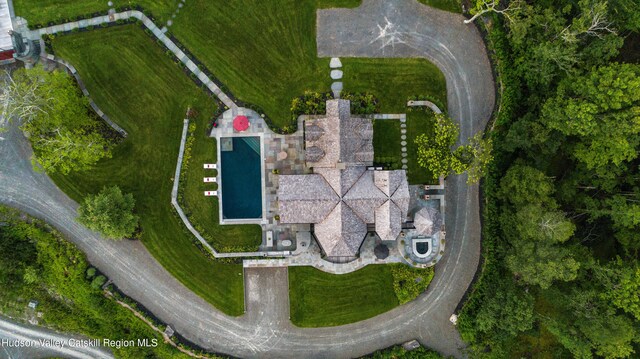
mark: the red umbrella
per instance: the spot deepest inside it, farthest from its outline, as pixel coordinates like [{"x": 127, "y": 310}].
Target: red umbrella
[{"x": 240, "y": 123}]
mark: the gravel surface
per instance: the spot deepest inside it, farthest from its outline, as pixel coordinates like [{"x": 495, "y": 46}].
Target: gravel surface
[{"x": 442, "y": 38}]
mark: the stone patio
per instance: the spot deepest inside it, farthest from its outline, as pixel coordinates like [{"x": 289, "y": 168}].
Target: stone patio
[{"x": 282, "y": 153}]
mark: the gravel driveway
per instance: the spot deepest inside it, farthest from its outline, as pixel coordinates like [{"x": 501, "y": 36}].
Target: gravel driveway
[{"x": 457, "y": 49}]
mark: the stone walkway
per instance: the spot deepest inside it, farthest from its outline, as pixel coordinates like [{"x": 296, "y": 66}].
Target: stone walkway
[
  {"x": 336, "y": 74},
  {"x": 428, "y": 104},
  {"x": 112, "y": 17}
]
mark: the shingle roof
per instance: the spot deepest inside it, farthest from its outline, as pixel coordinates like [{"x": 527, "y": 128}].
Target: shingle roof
[
  {"x": 427, "y": 221},
  {"x": 314, "y": 153},
  {"x": 313, "y": 132},
  {"x": 342, "y": 201},
  {"x": 305, "y": 198},
  {"x": 388, "y": 221},
  {"x": 342, "y": 138},
  {"x": 341, "y": 233}
]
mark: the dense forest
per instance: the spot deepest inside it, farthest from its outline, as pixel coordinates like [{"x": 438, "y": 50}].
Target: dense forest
[{"x": 561, "y": 201}]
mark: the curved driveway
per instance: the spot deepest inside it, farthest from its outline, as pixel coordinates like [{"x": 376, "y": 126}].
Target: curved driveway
[{"x": 265, "y": 330}]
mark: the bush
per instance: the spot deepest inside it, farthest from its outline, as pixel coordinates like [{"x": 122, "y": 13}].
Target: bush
[
  {"x": 98, "y": 281},
  {"x": 91, "y": 272},
  {"x": 409, "y": 282}
]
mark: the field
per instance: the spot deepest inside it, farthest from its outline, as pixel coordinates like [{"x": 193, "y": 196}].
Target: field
[
  {"x": 386, "y": 143},
  {"x": 148, "y": 97},
  {"x": 319, "y": 299},
  {"x": 44, "y": 11}
]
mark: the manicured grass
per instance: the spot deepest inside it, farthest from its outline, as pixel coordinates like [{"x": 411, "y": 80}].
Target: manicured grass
[
  {"x": 393, "y": 81},
  {"x": 418, "y": 122},
  {"x": 320, "y": 299},
  {"x": 139, "y": 87},
  {"x": 43, "y": 11},
  {"x": 446, "y": 5},
  {"x": 386, "y": 143},
  {"x": 265, "y": 52},
  {"x": 203, "y": 211}
]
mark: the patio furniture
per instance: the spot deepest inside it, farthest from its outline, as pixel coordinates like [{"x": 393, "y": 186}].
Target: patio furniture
[
  {"x": 209, "y": 179},
  {"x": 210, "y": 193},
  {"x": 426, "y": 197},
  {"x": 212, "y": 166}
]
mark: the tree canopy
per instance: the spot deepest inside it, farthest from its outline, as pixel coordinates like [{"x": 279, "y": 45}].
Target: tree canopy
[
  {"x": 55, "y": 117},
  {"x": 437, "y": 152},
  {"x": 110, "y": 212}
]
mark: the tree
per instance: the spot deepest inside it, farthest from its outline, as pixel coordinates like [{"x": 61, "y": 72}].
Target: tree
[
  {"x": 110, "y": 212},
  {"x": 621, "y": 282},
  {"x": 437, "y": 154},
  {"x": 55, "y": 116},
  {"x": 476, "y": 156},
  {"x": 524, "y": 184},
  {"x": 601, "y": 112},
  {"x": 541, "y": 263},
  {"x": 625, "y": 214},
  {"x": 486, "y": 6},
  {"x": 509, "y": 308}
]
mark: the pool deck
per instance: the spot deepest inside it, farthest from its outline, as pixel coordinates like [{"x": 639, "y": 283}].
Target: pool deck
[
  {"x": 272, "y": 144},
  {"x": 303, "y": 250}
]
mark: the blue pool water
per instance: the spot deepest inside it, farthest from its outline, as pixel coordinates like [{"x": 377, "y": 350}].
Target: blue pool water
[{"x": 241, "y": 178}]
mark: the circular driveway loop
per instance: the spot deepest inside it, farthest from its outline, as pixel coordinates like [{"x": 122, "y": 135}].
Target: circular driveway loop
[{"x": 412, "y": 30}]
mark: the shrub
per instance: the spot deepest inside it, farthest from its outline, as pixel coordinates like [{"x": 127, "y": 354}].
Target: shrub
[
  {"x": 409, "y": 282},
  {"x": 91, "y": 272},
  {"x": 98, "y": 281}
]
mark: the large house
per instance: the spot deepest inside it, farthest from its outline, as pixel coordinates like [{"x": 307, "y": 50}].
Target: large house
[{"x": 344, "y": 198}]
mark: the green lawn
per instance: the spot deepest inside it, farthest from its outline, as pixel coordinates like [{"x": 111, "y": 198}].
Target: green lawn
[
  {"x": 446, "y": 5},
  {"x": 386, "y": 143},
  {"x": 141, "y": 89},
  {"x": 43, "y": 11},
  {"x": 393, "y": 81},
  {"x": 203, "y": 211},
  {"x": 418, "y": 122},
  {"x": 320, "y": 299},
  {"x": 265, "y": 52}
]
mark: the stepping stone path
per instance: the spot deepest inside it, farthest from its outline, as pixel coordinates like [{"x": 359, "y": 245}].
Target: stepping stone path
[
  {"x": 403, "y": 137},
  {"x": 336, "y": 86},
  {"x": 173, "y": 16}
]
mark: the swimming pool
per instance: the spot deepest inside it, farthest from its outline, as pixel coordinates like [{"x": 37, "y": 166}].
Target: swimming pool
[{"x": 241, "y": 169}]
